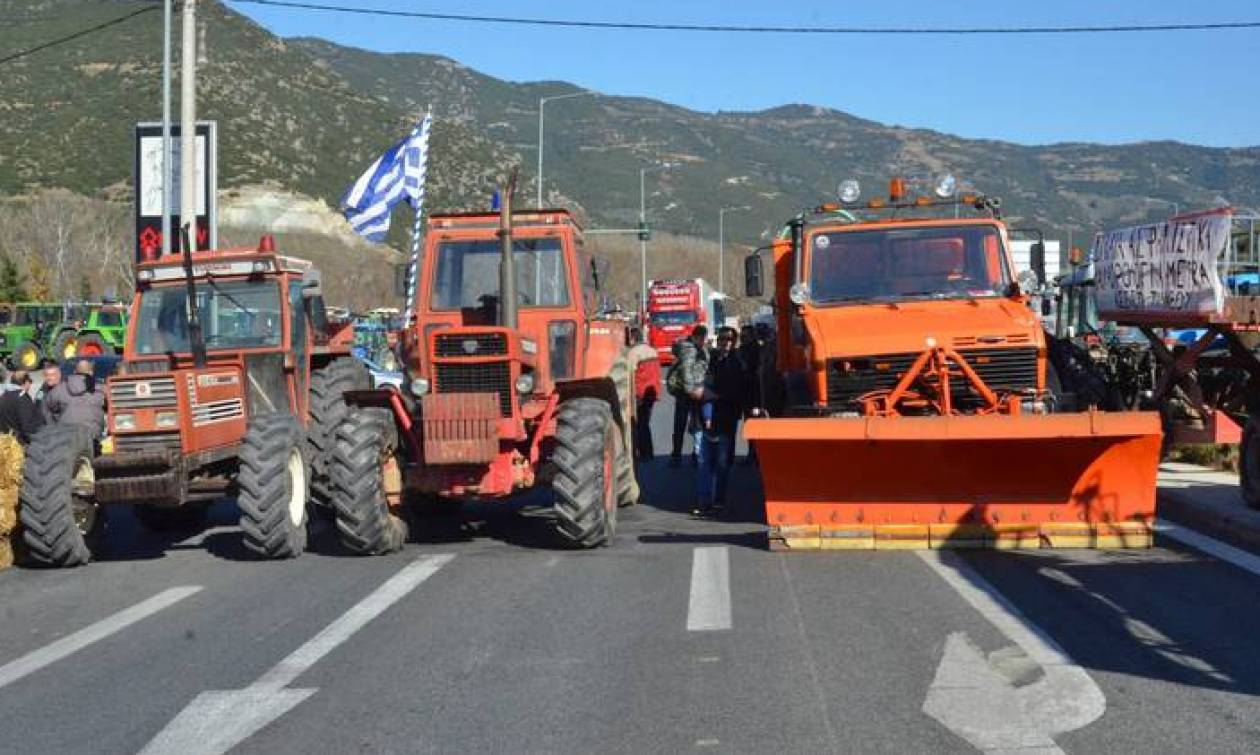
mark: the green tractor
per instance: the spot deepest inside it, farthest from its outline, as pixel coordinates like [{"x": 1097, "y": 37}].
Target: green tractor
[
  {"x": 22, "y": 340},
  {"x": 61, "y": 332}
]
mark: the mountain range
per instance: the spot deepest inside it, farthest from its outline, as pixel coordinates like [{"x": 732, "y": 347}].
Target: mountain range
[{"x": 306, "y": 115}]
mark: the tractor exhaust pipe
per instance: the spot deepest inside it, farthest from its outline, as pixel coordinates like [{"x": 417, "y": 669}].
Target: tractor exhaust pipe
[{"x": 507, "y": 264}]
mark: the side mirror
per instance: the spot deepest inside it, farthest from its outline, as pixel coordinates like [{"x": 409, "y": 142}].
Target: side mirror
[
  {"x": 312, "y": 291},
  {"x": 1038, "y": 258},
  {"x": 753, "y": 286}
]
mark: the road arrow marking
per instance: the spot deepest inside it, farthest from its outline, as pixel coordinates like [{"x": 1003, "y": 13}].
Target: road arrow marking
[
  {"x": 36, "y": 660},
  {"x": 216, "y": 721},
  {"x": 1016, "y": 698},
  {"x": 710, "y": 606}
]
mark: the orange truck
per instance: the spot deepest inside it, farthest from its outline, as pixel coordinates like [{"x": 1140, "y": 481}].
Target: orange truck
[
  {"x": 921, "y": 408},
  {"x": 514, "y": 379}
]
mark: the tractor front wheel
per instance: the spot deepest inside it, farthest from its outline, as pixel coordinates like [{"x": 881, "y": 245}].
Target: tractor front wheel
[
  {"x": 27, "y": 356},
  {"x": 585, "y": 461},
  {"x": 362, "y": 457},
  {"x": 327, "y": 410},
  {"x": 61, "y": 522},
  {"x": 273, "y": 483},
  {"x": 65, "y": 345}
]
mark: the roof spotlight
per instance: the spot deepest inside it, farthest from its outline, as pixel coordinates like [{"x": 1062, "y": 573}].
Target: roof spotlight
[
  {"x": 849, "y": 190},
  {"x": 946, "y": 186}
]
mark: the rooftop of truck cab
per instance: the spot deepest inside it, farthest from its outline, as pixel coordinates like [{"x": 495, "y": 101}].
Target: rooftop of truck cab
[
  {"x": 224, "y": 262},
  {"x": 521, "y": 219}
]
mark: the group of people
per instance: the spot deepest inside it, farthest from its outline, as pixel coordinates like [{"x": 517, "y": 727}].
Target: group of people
[
  {"x": 714, "y": 390},
  {"x": 25, "y": 407}
]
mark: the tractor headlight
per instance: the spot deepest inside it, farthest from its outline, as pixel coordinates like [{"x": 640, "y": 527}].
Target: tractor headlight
[
  {"x": 167, "y": 420},
  {"x": 946, "y": 186},
  {"x": 525, "y": 383},
  {"x": 850, "y": 190},
  {"x": 419, "y": 386},
  {"x": 799, "y": 293},
  {"x": 124, "y": 422}
]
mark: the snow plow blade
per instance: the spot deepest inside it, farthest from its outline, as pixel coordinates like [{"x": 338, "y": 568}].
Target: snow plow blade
[{"x": 982, "y": 481}]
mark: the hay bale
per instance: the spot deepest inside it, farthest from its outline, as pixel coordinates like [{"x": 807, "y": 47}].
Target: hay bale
[{"x": 11, "y": 457}]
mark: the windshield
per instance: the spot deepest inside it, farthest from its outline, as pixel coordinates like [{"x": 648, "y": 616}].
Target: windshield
[
  {"x": 109, "y": 318},
  {"x": 234, "y": 315},
  {"x": 673, "y": 318},
  {"x": 907, "y": 263},
  {"x": 468, "y": 274},
  {"x": 32, "y": 315}
]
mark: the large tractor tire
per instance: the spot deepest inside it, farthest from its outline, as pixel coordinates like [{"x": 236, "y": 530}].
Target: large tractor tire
[
  {"x": 65, "y": 345},
  {"x": 273, "y": 483},
  {"x": 61, "y": 522},
  {"x": 626, "y": 483},
  {"x": 187, "y": 518},
  {"x": 27, "y": 356},
  {"x": 585, "y": 461},
  {"x": 327, "y": 410},
  {"x": 93, "y": 345},
  {"x": 1249, "y": 463},
  {"x": 366, "y": 443}
]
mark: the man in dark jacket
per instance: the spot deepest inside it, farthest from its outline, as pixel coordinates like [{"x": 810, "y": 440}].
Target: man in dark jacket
[
  {"x": 18, "y": 413},
  {"x": 76, "y": 401},
  {"x": 721, "y": 404},
  {"x": 689, "y": 357}
]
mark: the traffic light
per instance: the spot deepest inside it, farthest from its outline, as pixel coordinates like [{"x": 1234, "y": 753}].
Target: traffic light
[{"x": 645, "y": 233}]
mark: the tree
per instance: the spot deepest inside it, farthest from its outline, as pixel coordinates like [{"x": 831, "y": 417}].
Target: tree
[
  {"x": 12, "y": 281},
  {"x": 41, "y": 280},
  {"x": 85, "y": 288}
]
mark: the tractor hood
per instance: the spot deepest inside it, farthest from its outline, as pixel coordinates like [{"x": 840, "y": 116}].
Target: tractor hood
[{"x": 906, "y": 327}]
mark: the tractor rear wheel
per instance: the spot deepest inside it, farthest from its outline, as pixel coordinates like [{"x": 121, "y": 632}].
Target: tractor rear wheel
[
  {"x": 93, "y": 345},
  {"x": 65, "y": 345},
  {"x": 585, "y": 464},
  {"x": 61, "y": 521},
  {"x": 365, "y": 446},
  {"x": 27, "y": 356},
  {"x": 1249, "y": 463},
  {"x": 273, "y": 481},
  {"x": 327, "y": 409},
  {"x": 186, "y": 518}
]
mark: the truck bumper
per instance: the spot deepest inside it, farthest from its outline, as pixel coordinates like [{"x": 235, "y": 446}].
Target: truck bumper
[{"x": 153, "y": 477}]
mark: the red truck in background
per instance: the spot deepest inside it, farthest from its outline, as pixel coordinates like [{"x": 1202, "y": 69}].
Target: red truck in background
[{"x": 674, "y": 307}]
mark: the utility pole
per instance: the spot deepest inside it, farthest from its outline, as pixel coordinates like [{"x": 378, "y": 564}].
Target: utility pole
[
  {"x": 188, "y": 123},
  {"x": 542, "y": 104},
  {"x": 166, "y": 127},
  {"x": 643, "y": 226}
]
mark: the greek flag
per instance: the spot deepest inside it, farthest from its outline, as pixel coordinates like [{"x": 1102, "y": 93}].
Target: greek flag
[{"x": 397, "y": 174}]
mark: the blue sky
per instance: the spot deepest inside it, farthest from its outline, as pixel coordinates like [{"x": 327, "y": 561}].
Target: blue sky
[{"x": 1196, "y": 87}]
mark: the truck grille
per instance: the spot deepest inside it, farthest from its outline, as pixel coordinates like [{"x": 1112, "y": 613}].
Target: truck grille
[
  {"x": 164, "y": 441},
  {"x": 1000, "y": 369},
  {"x": 142, "y": 394},
  {"x": 470, "y": 345},
  {"x": 482, "y": 377}
]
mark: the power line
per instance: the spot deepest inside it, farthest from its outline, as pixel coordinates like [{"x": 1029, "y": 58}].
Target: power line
[
  {"x": 77, "y": 35},
  {"x": 631, "y": 26}
]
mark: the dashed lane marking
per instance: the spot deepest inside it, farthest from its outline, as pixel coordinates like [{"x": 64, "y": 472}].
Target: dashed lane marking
[
  {"x": 710, "y": 607},
  {"x": 70, "y": 644}
]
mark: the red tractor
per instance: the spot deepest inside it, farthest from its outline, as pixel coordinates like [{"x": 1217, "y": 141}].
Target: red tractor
[
  {"x": 514, "y": 379},
  {"x": 239, "y": 394}
]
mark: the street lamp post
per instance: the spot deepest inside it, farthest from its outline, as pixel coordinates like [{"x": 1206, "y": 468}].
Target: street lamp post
[
  {"x": 722, "y": 243},
  {"x": 643, "y": 224},
  {"x": 542, "y": 103}
]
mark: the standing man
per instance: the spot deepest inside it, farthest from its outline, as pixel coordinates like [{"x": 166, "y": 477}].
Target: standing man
[
  {"x": 76, "y": 401},
  {"x": 51, "y": 378},
  {"x": 646, "y": 365},
  {"x": 690, "y": 364},
  {"x": 18, "y": 413},
  {"x": 721, "y": 401}
]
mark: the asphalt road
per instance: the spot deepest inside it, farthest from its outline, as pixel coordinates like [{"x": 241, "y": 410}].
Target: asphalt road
[{"x": 483, "y": 636}]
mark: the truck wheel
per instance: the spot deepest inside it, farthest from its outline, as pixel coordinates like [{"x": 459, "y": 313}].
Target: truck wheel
[
  {"x": 627, "y": 484},
  {"x": 273, "y": 483},
  {"x": 27, "y": 356},
  {"x": 65, "y": 345},
  {"x": 186, "y": 518},
  {"x": 585, "y": 462},
  {"x": 327, "y": 409},
  {"x": 1249, "y": 463},
  {"x": 366, "y": 442},
  {"x": 93, "y": 345},
  {"x": 61, "y": 521}
]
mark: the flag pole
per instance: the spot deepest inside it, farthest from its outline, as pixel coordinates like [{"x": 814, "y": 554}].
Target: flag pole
[{"x": 417, "y": 221}]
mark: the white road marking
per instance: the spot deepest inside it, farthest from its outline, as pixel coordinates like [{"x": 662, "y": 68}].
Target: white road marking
[
  {"x": 218, "y": 720},
  {"x": 710, "y": 607},
  {"x": 36, "y": 660},
  {"x": 982, "y": 699},
  {"x": 1215, "y": 548}
]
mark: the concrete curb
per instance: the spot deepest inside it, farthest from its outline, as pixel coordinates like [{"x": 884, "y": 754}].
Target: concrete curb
[{"x": 1209, "y": 502}]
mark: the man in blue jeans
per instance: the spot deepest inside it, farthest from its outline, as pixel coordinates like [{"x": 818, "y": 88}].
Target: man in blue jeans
[{"x": 720, "y": 403}]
